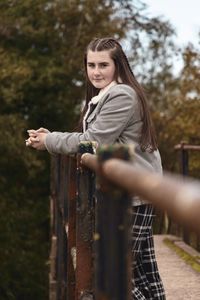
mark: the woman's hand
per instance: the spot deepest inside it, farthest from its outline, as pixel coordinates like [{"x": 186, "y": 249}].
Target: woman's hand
[{"x": 37, "y": 138}]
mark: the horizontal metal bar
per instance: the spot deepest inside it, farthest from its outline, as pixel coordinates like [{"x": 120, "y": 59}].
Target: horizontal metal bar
[{"x": 187, "y": 147}]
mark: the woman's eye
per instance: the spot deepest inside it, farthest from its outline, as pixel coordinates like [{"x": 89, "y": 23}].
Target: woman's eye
[
  {"x": 101, "y": 66},
  {"x": 104, "y": 65}
]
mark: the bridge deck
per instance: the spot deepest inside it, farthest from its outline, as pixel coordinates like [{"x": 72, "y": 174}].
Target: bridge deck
[{"x": 180, "y": 280}]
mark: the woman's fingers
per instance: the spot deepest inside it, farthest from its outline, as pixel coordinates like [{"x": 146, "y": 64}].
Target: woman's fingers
[
  {"x": 31, "y": 141},
  {"x": 32, "y": 132},
  {"x": 34, "y": 139},
  {"x": 43, "y": 130},
  {"x": 28, "y": 142}
]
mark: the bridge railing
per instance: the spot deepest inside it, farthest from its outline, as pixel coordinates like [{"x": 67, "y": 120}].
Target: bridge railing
[
  {"x": 187, "y": 155},
  {"x": 91, "y": 211}
]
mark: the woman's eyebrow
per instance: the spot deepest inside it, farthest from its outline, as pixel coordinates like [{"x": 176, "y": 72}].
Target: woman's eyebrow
[{"x": 98, "y": 63}]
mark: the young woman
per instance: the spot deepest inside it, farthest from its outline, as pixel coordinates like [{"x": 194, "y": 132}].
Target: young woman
[{"x": 116, "y": 111}]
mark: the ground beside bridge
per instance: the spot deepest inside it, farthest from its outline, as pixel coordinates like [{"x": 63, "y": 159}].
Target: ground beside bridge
[{"x": 180, "y": 280}]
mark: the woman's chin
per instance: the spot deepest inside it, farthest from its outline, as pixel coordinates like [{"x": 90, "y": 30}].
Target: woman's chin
[{"x": 98, "y": 85}]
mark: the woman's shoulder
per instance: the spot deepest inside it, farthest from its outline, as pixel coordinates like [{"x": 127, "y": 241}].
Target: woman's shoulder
[
  {"x": 122, "y": 89},
  {"x": 120, "y": 93}
]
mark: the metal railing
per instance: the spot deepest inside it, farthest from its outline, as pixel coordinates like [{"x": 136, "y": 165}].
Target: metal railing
[
  {"x": 90, "y": 254},
  {"x": 185, "y": 154}
]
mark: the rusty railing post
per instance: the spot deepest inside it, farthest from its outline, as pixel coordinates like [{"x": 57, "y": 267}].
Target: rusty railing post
[
  {"x": 63, "y": 209},
  {"x": 112, "y": 235},
  {"x": 54, "y": 184},
  {"x": 58, "y": 255},
  {"x": 84, "y": 227},
  {"x": 70, "y": 226},
  {"x": 184, "y": 159},
  {"x": 62, "y": 217},
  {"x": 184, "y": 167}
]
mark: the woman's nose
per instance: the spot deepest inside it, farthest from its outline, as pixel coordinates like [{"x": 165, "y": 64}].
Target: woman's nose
[{"x": 96, "y": 70}]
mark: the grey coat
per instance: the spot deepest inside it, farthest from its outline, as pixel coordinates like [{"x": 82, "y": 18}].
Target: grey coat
[{"x": 115, "y": 119}]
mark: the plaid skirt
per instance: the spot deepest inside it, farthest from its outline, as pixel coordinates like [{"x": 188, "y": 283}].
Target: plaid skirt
[{"x": 146, "y": 282}]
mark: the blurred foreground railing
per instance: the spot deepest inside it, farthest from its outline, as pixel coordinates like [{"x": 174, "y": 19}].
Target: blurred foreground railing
[
  {"x": 90, "y": 253},
  {"x": 179, "y": 197}
]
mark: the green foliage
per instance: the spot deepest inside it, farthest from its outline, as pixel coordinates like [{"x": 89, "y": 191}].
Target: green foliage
[
  {"x": 173, "y": 99},
  {"x": 24, "y": 218},
  {"x": 182, "y": 124},
  {"x": 180, "y": 120}
]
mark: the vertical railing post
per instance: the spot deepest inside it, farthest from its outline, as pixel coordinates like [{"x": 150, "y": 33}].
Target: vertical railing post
[
  {"x": 58, "y": 255},
  {"x": 184, "y": 163},
  {"x": 185, "y": 172},
  {"x": 53, "y": 227},
  {"x": 63, "y": 209},
  {"x": 62, "y": 217},
  {"x": 84, "y": 228},
  {"x": 70, "y": 226},
  {"x": 112, "y": 235}
]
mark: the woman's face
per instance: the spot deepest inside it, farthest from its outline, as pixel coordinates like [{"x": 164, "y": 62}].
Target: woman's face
[{"x": 100, "y": 68}]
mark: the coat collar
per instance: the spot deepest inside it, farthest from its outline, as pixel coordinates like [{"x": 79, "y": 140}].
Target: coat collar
[
  {"x": 102, "y": 92},
  {"x": 95, "y": 100}
]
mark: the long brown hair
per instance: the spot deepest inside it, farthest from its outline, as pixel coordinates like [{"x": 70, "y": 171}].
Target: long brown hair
[{"x": 124, "y": 72}]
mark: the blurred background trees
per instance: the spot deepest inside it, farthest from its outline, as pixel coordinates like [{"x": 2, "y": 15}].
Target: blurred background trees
[{"x": 42, "y": 84}]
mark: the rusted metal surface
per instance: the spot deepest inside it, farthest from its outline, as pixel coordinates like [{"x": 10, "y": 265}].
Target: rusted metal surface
[
  {"x": 53, "y": 250},
  {"x": 84, "y": 229},
  {"x": 71, "y": 277},
  {"x": 52, "y": 275},
  {"x": 112, "y": 235},
  {"x": 59, "y": 215},
  {"x": 78, "y": 237},
  {"x": 184, "y": 170},
  {"x": 70, "y": 227},
  {"x": 53, "y": 254},
  {"x": 62, "y": 207},
  {"x": 54, "y": 184}
]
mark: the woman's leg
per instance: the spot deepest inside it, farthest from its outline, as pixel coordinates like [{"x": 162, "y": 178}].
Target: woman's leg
[{"x": 147, "y": 283}]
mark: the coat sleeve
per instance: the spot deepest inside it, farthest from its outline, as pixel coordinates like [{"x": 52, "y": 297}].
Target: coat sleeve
[{"x": 119, "y": 107}]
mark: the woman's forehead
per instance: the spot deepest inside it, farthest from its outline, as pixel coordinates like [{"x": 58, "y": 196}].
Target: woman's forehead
[{"x": 98, "y": 55}]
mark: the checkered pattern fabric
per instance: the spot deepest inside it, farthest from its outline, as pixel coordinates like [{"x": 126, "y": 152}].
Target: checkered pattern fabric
[{"x": 146, "y": 281}]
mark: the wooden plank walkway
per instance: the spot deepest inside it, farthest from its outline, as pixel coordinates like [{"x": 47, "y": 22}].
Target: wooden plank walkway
[{"x": 181, "y": 282}]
